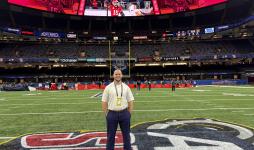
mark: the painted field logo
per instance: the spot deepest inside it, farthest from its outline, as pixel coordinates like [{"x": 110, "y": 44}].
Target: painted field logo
[{"x": 200, "y": 134}]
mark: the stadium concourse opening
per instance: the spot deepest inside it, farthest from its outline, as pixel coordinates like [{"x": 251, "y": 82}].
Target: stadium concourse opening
[{"x": 188, "y": 63}]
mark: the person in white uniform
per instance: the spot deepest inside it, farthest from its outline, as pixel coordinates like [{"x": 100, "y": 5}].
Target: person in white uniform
[{"x": 117, "y": 104}]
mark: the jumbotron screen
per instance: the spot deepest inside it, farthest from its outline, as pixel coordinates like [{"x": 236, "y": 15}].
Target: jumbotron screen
[{"x": 116, "y": 7}]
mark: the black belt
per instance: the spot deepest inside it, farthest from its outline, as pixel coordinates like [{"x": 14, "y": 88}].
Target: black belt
[{"x": 118, "y": 110}]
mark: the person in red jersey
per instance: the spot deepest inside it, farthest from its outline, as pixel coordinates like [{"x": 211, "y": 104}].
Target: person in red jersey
[
  {"x": 55, "y": 6},
  {"x": 116, "y": 9}
]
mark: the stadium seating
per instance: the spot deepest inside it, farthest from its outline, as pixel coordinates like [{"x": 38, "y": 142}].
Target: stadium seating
[{"x": 175, "y": 49}]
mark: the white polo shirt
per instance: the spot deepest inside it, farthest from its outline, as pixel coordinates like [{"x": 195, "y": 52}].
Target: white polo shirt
[{"x": 119, "y": 102}]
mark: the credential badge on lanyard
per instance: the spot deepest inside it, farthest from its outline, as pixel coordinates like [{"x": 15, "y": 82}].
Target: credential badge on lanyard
[{"x": 119, "y": 99}]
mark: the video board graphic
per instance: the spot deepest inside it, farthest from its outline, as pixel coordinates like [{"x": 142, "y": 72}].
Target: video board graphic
[{"x": 119, "y": 8}]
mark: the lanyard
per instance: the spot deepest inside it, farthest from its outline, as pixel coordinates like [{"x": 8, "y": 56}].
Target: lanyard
[{"x": 121, "y": 90}]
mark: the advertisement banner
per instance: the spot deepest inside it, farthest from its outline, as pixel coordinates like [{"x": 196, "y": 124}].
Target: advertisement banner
[
  {"x": 170, "y": 58},
  {"x": 71, "y": 35},
  {"x": 25, "y": 32},
  {"x": 12, "y": 30},
  {"x": 68, "y": 60},
  {"x": 91, "y": 59},
  {"x": 82, "y": 59},
  {"x": 100, "y": 60},
  {"x": 145, "y": 59},
  {"x": 50, "y": 34}
]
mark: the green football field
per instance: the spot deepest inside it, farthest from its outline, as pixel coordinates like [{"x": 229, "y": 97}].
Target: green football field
[{"x": 50, "y": 111}]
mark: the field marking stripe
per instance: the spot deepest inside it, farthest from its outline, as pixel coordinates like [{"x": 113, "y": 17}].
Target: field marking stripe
[
  {"x": 201, "y": 109},
  {"x": 140, "y": 110},
  {"x": 43, "y": 98},
  {"x": 89, "y": 98},
  {"x": 4, "y": 105},
  {"x": 238, "y": 111},
  {"x": 4, "y": 109},
  {"x": 200, "y": 96},
  {"x": 136, "y": 101},
  {"x": 240, "y": 87},
  {"x": 32, "y": 126},
  {"x": 249, "y": 114},
  {"x": 52, "y": 113},
  {"x": 49, "y": 104},
  {"x": 3, "y": 138},
  {"x": 92, "y": 103}
]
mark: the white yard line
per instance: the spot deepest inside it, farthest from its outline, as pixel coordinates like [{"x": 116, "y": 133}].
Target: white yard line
[
  {"x": 4, "y": 109},
  {"x": 97, "y": 95},
  {"x": 50, "y": 113},
  {"x": 249, "y": 114},
  {"x": 227, "y": 86},
  {"x": 15, "y": 107},
  {"x": 240, "y": 87},
  {"x": 136, "y": 96},
  {"x": 198, "y": 109},
  {"x": 170, "y": 100},
  {"x": 205, "y": 101},
  {"x": 4, "y": 138},
  {"x": 96, "y": 102},
  {"x": 238, "y": 111},
  {"x": 49, "y": 104},
  {"x": 43, "y": 99},
  {"x": 136, "y": 101},
  {"x": 172, "y": 95},
  {"x": 218, "y": 106},
  {"x": 140, "y": 110}
]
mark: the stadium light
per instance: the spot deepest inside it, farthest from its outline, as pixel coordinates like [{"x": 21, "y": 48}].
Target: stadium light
[
  {"x": 140, "y": 37},
  {"x": 56, "y": 65},
  {"x": 101, "y": 65},
  {"x": 27, "y": 65},
  {"x": 181, "y": 63},
  {"x": 115, "y": 38},
  {"x": 168, "y": 64},
  {"x": 140, "y": 65},
  {"x": 154, "y": 64},
  {"x": 245, "y": 34}
]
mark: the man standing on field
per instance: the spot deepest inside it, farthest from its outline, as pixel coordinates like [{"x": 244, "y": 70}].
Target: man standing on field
[{"x": 117, "y": 104}]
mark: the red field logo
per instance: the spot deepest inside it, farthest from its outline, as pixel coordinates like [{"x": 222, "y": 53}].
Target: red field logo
[
  {"x": 91, "y": 141},
  {"x": 203, "y": 134}
]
